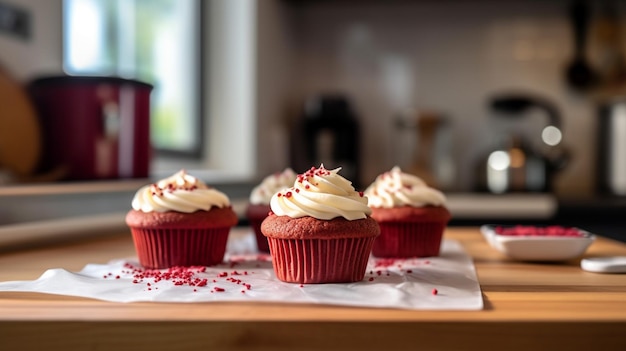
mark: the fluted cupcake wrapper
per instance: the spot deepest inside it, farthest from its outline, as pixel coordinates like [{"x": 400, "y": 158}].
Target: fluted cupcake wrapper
[
  {"x": 409, "y": 239},
  {"x": 164, "y": 248},
  {"x": 261, "y": 240},
  {"x": 320, "y": 260}
]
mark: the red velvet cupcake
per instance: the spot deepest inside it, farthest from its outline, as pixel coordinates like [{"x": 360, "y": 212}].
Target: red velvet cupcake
[
  {"x": 259, "y": 204},
  {"x": 411, "y": 215},
  {"x": 320, "y": 230},
  {"x": 179, "y": 221}
]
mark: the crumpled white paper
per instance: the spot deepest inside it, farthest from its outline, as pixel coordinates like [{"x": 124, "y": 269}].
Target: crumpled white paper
[{"x": 397, "y": 283}]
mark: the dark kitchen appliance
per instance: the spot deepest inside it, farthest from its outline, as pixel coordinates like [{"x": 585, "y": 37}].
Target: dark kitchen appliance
[
  {"x": 327, "y": 132},
  {"x": 611, "y": 177},
  {"x": 516, "y": 165},
  {"x": 94, "y": 127},
  {"x": 580, "y": 74}
]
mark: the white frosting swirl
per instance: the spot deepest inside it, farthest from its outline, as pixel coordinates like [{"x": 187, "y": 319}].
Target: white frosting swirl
[
  {"x": 322, "y": 194},
  {"x": 181, "y": 193},
  {"x": 262, "y": 193},
  {"x": 396, "y": 189}
]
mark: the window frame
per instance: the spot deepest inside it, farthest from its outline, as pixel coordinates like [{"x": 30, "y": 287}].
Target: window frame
[{"x": 197, "y": 151}]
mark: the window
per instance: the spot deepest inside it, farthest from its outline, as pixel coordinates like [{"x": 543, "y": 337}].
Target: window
[{"x": 155, "y": 41}]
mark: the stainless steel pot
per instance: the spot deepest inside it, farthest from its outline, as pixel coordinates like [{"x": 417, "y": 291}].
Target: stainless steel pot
[{"x": 611, "y": 168}]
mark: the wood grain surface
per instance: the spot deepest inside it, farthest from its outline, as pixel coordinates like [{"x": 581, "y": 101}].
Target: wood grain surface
[
  {"x": 555, "y": 306},
  {"x": 20, "y": 131}
]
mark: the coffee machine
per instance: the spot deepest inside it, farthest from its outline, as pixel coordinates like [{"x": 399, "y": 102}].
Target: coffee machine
[{"x": 327, "y": 132}]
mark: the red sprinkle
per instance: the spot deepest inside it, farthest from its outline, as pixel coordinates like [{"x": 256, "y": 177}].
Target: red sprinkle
[
  {"x": 529, "y": 230},
  {"x": 434, "y": 292}
]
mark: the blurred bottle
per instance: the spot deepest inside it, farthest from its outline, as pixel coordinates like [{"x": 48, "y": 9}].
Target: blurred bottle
[{"x": 609, "y": 56}]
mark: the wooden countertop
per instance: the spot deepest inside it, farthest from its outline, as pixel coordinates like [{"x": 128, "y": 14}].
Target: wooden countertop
[{"x": 527, "y": 305}]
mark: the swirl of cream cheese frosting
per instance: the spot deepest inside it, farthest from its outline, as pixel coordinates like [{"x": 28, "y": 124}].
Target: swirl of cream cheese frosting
[
  {"x": 322, "y": 194},
  {"x": 180, "y": 192},
  {"x": 262, "y": 193},
  {"x": 396, "y": 188}
]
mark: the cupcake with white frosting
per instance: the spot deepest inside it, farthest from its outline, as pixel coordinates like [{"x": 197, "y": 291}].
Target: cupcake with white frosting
[
  {"x": 180, "y": 221},
  {"x": 412, "y": 216},
  {"x": 320, "y": 229},
  {"x": 259, "y": 203}
]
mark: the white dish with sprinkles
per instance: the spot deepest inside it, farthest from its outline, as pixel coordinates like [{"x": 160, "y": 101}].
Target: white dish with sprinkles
[{"x": 538, "y": 243}]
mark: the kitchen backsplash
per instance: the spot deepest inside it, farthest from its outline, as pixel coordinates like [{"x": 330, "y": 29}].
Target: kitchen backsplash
[{"x": 447, "y": 57}]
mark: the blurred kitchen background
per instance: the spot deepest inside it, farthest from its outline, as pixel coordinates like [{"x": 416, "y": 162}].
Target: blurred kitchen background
[{"x": 515, "y": 109}]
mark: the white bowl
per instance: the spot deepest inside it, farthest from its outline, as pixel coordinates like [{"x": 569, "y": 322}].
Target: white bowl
[{"x": 538, "y": 248}]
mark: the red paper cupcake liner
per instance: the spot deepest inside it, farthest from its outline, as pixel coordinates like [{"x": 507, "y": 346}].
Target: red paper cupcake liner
[
  {"x": 409, "y": 239},
  {"x": 164, "y": 248},
  {"x": 261, "y": 240},
  {"x": 320, "y": 261}
]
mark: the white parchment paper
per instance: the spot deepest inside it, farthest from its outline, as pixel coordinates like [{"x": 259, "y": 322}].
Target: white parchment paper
[{"x": 399, "y": 283}]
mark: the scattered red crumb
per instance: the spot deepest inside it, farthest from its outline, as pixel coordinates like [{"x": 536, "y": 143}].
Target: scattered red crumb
[
  {"x": 179, "y": 276},
  {"x": 371, "y": 279},
  {"x": 434, "y": 292},
  {"x": 218, "y": 289},
  {"x": 409, "y": 271},
  {"x": 385, "y": 262}
]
